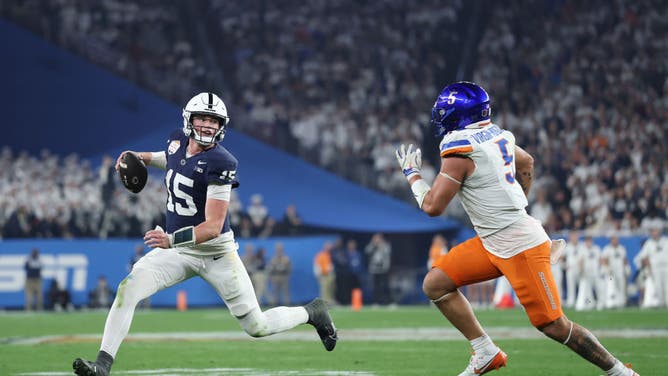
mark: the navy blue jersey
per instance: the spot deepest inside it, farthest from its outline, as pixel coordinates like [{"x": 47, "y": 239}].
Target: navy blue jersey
[{"x": 187, "y": 180}]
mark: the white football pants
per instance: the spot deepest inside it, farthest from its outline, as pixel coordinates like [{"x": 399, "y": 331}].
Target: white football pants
[{"x": 162, "y": 268}]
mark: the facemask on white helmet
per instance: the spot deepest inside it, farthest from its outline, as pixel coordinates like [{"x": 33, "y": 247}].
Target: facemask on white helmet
[{"x": 207, "y": 104}]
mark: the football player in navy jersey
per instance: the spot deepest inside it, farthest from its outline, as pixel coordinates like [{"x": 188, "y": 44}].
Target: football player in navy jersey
[{"x": 200, "y": 175}]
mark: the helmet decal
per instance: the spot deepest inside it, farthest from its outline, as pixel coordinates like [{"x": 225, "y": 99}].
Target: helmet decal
[{"x": 459, "y": 105}]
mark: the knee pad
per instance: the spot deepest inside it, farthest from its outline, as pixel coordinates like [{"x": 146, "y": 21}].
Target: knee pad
[
  {"x": 254, "y": 323},
  {"x": 137, "y": 286},
  {"x": 242, "y": 304}
]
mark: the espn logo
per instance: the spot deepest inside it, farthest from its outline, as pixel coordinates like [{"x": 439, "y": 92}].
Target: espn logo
[{"x": 59, "y": 267}]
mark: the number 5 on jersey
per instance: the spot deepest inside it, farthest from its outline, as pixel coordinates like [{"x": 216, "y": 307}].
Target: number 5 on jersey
[{"x": 507, "y": 159}]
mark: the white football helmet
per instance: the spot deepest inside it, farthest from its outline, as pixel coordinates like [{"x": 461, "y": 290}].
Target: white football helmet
[{"x": 205, "y": 104}]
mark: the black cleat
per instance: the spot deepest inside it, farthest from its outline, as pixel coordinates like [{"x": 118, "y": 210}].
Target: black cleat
[
  {"x": 318, "y": 316},
  {"x": 83, "y": 367}
]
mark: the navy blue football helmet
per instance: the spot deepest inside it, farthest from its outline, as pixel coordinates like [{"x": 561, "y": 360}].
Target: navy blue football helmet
[{"x": 458, "y": 105}]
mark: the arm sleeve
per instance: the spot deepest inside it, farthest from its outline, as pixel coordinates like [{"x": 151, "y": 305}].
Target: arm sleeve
[
  {"x": 158, "y": 159},
  {"x": 219, "y": 192}
]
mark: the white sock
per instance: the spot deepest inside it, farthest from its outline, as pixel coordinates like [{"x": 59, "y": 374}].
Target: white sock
[
  {"x": 280, "y": 319},
  {"x": 261, "y": 324},
  {"x": 619, "y": 369},
  {"x": 483, "y": 343}
]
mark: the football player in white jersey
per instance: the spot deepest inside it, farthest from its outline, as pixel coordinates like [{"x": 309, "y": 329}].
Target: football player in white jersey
[
  {"x": 590, "y": 282},
  {"x": 492, "y": 175},
  {"x": 615, "y": 266},
  {"x": 653, "y": 258},
  {"x": 572, "y": 267},
  {"x": 197, "y": 240}
]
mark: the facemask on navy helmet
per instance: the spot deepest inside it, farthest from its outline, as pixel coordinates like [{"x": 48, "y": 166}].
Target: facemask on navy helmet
[
  {"x": 459, "y": 105},
  {"x": 206, "y": 104}
]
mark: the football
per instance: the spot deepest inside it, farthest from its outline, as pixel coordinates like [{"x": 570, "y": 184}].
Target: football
[{"x": 132, "y": 172}]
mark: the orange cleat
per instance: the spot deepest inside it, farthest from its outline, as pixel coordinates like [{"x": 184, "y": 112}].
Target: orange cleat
[
  {"x": 483, "y": 363},
  {"x": 629, "y": 366}
]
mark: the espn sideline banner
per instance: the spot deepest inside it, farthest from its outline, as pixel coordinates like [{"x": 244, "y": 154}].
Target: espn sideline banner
[{"x": 77, "y": 264}]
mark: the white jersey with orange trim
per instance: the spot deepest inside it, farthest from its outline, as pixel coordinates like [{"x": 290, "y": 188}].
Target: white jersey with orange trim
[{"x": 491, "y": 196}]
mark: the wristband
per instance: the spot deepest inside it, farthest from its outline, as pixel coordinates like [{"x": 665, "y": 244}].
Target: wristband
[
  {"x": 410, "y": 172},
  {"x": 182, "y": 237},
  {"x": 420, "y": 189}
]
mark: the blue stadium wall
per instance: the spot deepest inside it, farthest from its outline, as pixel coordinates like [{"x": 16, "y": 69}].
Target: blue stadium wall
[{"x": 77, "y": 264}]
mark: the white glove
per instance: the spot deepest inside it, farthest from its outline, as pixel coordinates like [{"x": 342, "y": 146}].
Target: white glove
[
  {"x": 556, "y": 249},
  {"x": 410, "y": 160}
]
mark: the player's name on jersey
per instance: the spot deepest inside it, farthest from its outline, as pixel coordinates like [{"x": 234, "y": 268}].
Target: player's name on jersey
[{"x": 486, "y": 134}]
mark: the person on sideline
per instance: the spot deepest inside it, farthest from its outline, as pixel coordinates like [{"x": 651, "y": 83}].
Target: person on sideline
[
  {"x": 34, "y": 295},
  {"x": 589, "y": 283},
  {"x": 572, "y": 266},
  {"x": 439, "y": 246},
  {"x": 653, "y": 257},
  {"x": 280, "y": 269},
  {"x": 492, "y": 175},
  {"x": 199, "y": 175},
  {"x": 379, "y": 252},
  {"x": 324, "y": 272},
  {"x": 616, "y": 270}
]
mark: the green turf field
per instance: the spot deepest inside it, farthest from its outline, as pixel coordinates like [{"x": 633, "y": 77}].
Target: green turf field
[{"x": 402, "y": 341}]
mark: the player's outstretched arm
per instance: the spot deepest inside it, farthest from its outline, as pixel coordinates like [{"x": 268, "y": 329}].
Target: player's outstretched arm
[
  {"x": 523, "y": 169},
  {"x": 155, "y": 159}
]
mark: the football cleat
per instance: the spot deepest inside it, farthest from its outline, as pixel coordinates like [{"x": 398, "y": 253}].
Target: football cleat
[
  {"x": 483, "y": 363},
  {"x": 630, "y": 367},
  {"x": 318, "y": 316},
  {"x": 83, "y": 367}
]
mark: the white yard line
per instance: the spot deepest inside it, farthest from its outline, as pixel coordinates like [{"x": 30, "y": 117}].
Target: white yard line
[
  {"x": 345, "y": 335},
  {"x": 213, "y": 372}
]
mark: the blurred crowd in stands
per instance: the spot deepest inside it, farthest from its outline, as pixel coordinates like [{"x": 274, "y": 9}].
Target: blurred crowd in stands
[
  {"x": 584, "y": 87},
  {"x": 340, "y": 83},
  {"x": 51, "y": 197},
  {"x": 47, "y": 196}
]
